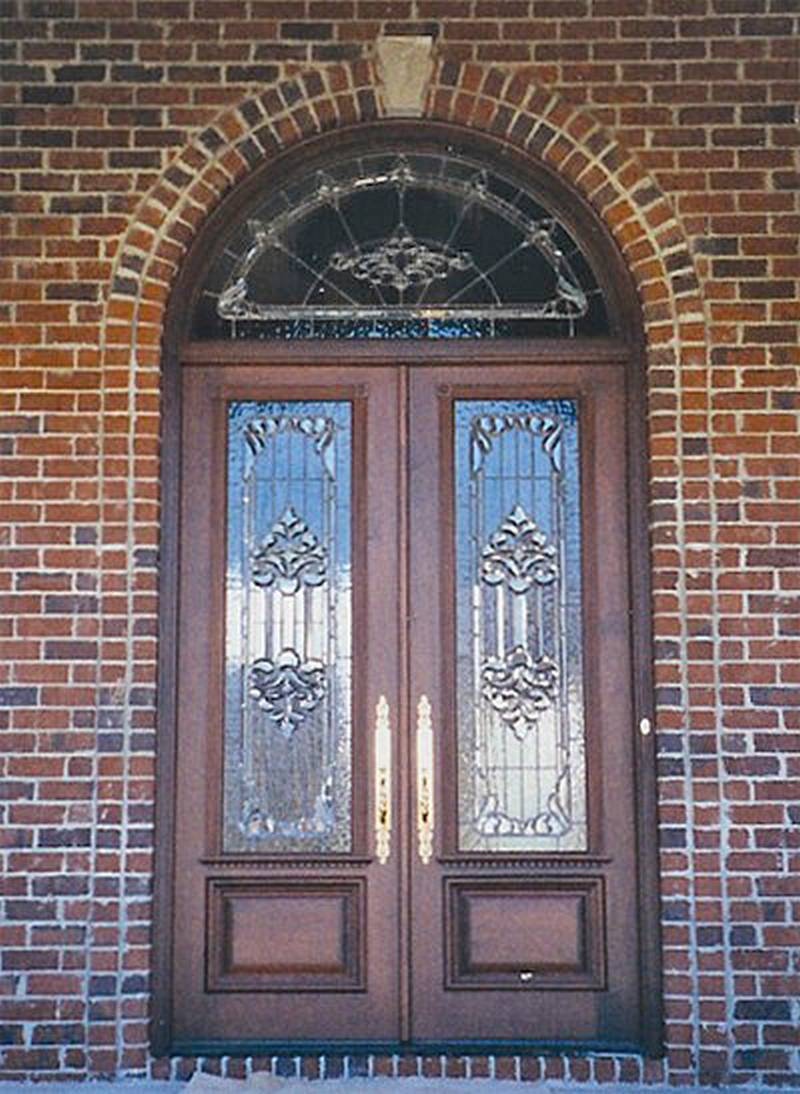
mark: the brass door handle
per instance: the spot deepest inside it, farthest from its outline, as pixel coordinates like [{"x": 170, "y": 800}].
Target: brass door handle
[
  {"x": 383, "y": 781},
  {"x": 425, "y": 808}
]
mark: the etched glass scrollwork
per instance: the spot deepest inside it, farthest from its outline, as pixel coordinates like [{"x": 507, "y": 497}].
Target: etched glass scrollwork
[
  {"x": 288, "y": 628},
  {"x": 401, "y": 243},
  {"x": 519, "y": 676}
]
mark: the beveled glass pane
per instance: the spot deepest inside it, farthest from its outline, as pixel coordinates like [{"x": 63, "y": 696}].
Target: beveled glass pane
[
  {"x": 519, "y": 675},
  {"x": 400, "y": 244},
  {"x": 287, "y": 780}
]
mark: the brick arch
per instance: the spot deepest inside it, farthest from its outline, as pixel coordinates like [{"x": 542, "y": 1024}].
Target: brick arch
[
  {"x": 574, "y": 144},
  {"x": 506, "y": 104}
]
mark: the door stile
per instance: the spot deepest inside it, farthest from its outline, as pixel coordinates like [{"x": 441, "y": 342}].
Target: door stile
[
  {"x": 429, "y": 522},
  {"x": 587, "y": 409},
  {"x": 404, "y": 803}
]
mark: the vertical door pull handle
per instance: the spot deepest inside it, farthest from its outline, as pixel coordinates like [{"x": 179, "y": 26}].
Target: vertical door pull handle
[
  {"x": 383, "y": 781},
  {"x": 425, "y": 812}
]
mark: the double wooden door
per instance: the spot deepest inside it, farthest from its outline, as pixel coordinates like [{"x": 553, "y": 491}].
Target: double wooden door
[{"x": 404, "y": 793}]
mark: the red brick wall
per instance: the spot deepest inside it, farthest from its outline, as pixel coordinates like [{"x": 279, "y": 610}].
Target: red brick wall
[{"x": 123, "y": 123}]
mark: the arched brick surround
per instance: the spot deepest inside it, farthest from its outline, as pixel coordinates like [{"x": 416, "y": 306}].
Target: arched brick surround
[
  {"x": 566, "y": 137},
  {"x": 507, "y": 104}
]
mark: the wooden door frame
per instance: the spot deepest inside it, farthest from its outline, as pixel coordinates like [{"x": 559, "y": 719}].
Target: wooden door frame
[{"x": 627, "y": 345}]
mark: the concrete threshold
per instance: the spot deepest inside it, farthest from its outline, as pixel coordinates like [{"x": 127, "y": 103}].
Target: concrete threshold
[{"x": 200, "y": 1084}]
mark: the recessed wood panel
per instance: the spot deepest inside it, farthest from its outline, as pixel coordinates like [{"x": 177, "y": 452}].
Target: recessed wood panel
[
  {"x": 525, "y": 934},
  {"x": 513, "y": 931},
  {"x": 282, "y": 935}
]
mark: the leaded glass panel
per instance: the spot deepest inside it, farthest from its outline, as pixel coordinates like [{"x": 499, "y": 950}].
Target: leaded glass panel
[
  {"x": 288, "y": 627},
  {"x": 400, "y": 244},
  {"x": 519, "y": 675}
]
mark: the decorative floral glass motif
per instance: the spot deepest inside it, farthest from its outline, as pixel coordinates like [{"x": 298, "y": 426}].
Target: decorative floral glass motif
[
  {"x": 520, "y": 721},
  {"x": 402, "y": 262},
  {"x": 288, "y": 630},
  {"x": 400, "y": 244},
  {"x": 287, "y": 689},
  {"x": 518, "y": 554},
  {"x": 289, "y": 556},
  {"x": 519, "y": 687}
]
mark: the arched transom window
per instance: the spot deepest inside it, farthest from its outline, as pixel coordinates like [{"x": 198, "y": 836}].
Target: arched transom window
[{"x": 400, "y": 243}]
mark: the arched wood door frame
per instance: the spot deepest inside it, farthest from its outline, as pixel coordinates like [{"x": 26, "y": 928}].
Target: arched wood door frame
[{"x": 626, "y": 344}]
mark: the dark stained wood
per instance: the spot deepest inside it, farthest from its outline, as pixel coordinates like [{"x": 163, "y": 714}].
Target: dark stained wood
[
  {"x": 645, "y": 752},
  {"x": 592, "y": 1010},
  {"x": 311, "y": 906},
  {"x": 332, "y": 353},
  {"x": 552, "y": 929},
  {"x": 403, "y": 781},
  {"x": 286, "y": 935},
  {"x": 166, "y": 712},
  {"x": 433, "y": 1006},
  {"x": 256, "y": 365}
]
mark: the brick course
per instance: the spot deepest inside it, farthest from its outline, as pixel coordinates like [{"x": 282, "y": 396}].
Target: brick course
[{"x": 123, "y": 124}]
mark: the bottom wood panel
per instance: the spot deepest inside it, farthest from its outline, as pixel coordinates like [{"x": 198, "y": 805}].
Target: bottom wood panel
[
  {"x": 525, "y": 934},
  {"x": 285, "y": 935}
]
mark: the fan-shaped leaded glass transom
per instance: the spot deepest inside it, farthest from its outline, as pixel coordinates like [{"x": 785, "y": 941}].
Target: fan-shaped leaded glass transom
[{"x": 400, "y": 244}]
